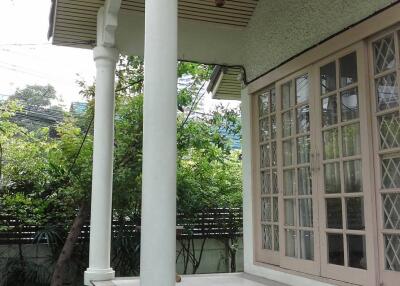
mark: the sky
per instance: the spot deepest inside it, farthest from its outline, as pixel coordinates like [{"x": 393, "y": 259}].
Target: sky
[{"x": 27, "y": 57}]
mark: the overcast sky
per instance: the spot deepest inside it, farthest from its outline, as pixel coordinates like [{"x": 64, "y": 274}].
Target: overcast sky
[{"x": 27, "y": 57}]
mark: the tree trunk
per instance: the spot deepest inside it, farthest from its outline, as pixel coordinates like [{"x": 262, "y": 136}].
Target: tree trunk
[
  {"x": 66, "y": 252},
  {"x": 196, "y": 265},
  {"x": 20, "y": 254}
]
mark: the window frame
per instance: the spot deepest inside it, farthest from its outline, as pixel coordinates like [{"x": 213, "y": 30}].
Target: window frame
[{"x": 387, "y": 277}]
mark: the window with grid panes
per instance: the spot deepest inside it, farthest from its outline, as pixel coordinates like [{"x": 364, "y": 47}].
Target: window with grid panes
[
  {"x": 268, "y": 170},
  {"x": 385, "y": 103},
  {"x": 297, "y": 186}
]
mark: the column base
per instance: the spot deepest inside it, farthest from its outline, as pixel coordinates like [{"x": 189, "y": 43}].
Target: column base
[{"x": 98, "y": 275}]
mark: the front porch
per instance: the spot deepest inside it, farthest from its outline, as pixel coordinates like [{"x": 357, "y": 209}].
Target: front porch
[
  {"x": 231, "y": 279},
  {"x": 320, "y": 120}
]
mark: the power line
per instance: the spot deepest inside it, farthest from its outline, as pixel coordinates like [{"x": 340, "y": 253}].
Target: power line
[
  {"x": 25, "y": 44},
  {"x": 90, "y": 42},
  {"x": 81, "y": 146}
]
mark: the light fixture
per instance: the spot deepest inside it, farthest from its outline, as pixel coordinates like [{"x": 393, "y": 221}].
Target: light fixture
[{"x": 219, "y": 3}]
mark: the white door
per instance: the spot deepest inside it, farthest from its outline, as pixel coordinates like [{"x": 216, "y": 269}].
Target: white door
[{"x": 346, "y": 200}]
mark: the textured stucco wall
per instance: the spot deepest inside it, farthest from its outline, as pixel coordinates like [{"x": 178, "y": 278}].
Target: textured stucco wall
[{"x": 281, "y": 29}]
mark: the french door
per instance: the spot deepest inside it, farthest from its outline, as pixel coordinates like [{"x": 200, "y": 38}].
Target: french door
[
  {"x": 345, "y": 170},
  {"x": 298, "y": 200},
  {"x": 314, "y": 171},
  {"x": 266, "y": 178}
]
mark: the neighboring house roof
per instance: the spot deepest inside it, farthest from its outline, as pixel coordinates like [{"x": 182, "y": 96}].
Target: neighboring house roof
[
  {"x": 73, "y": 22},
  {"x": 226, "y": 83}
]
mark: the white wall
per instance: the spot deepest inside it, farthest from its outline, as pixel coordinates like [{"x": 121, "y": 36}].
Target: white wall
[{"x": 214, "y": 260}]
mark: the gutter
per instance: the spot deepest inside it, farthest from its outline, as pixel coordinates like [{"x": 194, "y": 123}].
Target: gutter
[
  {"x": 52, "y": 18},
  {"x": 214, "y": 77}
]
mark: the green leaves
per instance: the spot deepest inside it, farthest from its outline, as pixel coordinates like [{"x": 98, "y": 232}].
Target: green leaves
[{"x": 35, "y": 95}]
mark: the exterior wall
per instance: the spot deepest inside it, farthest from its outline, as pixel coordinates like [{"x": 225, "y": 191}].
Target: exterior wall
[
  {"x": 249, "y": 266},
  {"x": 281, "y": 29},
  {"x": 215, "y": 258},
  {"x": 197, "y": 41}
]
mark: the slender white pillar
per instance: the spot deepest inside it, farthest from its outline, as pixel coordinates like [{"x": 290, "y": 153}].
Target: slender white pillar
[
  {"x": 247, "y": 183},
  {"x": 158, "y": 232},
  {"x": 101, "y": 207}
]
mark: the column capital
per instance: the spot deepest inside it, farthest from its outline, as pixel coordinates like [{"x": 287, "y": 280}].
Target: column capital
[
  {"x": 107, "y": 22},
  {"x": 105, "y": 53}
]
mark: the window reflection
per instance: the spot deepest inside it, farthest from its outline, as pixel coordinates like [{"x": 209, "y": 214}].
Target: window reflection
[
  {"x": 329, "y": 110},
  {"x": 335, "y": 249},
  {"x": 302, "y": 89},
  {"x": 328, "y": 78},
  {"x": 348, "y": 69},
  {"x": 356, "y": 251},
  {"x": 349, "y": 104}
]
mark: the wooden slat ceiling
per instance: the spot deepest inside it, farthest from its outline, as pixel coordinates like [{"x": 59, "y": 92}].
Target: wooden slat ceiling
[{"x": 75, "y": 20}]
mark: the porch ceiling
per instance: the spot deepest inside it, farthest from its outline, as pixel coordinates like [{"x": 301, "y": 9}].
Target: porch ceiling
[{"x": 75, "y": 20}]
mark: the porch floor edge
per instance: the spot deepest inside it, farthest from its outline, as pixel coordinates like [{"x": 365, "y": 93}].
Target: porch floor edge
[{"x": 219, "y": 279}]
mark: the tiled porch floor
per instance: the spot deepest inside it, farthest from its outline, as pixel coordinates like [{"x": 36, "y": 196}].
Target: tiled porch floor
[{"x": 230, "y": 279}]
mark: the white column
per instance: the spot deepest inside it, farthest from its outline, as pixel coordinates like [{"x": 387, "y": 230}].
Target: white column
[
  {"x": 247, "y": 183},
  {"x": 101, "y": 207},
  {"x": 158, "y": 232}
]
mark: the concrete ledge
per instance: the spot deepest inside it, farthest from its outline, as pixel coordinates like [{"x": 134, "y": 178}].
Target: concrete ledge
[{"x": 231, "y": 279}]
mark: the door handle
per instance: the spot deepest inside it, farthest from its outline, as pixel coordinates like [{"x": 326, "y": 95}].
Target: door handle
[
  {"x": 312, "y": 158},
  {"x": 317, "y": 162}
]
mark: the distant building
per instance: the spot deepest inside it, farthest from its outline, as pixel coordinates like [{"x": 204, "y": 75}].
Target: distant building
[
  {"x": 3, "y": 97},
  {"x": 234, "y": 138},
  {"x": 78, "y": 108}
]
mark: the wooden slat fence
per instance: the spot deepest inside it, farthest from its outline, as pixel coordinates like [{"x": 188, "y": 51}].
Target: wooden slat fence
[{"x": 213, "y": 223}]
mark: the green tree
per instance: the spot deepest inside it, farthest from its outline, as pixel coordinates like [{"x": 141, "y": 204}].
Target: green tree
[
  {"x": 35, "y": 96},
  {"x": 56, "y": 171},
  {"x": 40, "y": 107},
  {"x": 24, "y": 174}
]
